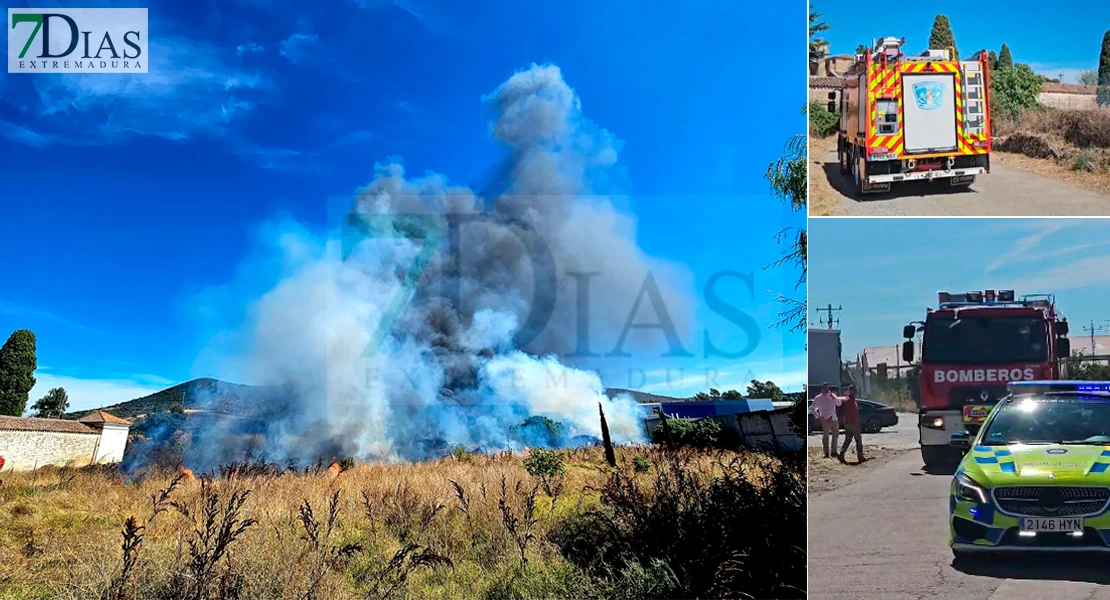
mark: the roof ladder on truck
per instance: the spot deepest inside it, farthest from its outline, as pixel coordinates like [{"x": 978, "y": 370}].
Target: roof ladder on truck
[{"x": 974, "y": 101}]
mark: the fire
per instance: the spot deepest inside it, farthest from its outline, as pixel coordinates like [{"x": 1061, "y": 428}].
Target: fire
[
  {"x": 187, "y": 475},
  {"x": 334, "y": 469},
  {"x": 525, "y": 453}
]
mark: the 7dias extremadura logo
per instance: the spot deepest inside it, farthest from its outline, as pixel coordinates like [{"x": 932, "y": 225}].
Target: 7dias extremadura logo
[{"x": 77, "y": 40}]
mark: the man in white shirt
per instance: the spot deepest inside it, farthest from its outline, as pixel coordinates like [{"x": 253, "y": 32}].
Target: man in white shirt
[{"x": 824, "y": 408}]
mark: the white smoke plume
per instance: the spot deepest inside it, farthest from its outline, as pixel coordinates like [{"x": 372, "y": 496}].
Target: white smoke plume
[{"x": 462, "y": 360}]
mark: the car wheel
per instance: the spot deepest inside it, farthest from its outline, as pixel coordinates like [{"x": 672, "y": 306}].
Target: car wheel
[
  {"x": 962, "y": 556},
  {"x": 872, "y": 425}
]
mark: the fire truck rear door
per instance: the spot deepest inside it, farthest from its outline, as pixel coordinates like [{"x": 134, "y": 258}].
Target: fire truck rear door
[{"x": 929, "y": 108}]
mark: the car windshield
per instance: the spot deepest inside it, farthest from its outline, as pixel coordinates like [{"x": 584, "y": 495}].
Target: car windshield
[
  {"x": 984, "y": 340},
  {"x": 1052, "y": 419}
]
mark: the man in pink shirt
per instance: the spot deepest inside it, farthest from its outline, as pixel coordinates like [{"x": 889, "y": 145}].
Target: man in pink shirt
[{"x": 824, "y": 408}]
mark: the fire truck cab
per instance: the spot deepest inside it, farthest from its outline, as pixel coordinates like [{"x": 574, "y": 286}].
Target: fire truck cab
[
  {"x": 914, "y": 118},
  {"x": 972, "y": 346}
]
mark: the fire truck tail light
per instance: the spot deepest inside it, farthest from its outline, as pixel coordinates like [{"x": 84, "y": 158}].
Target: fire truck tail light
[{"x": 938, "y": 423}]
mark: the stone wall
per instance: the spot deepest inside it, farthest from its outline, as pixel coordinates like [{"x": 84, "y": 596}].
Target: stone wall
[
  {"x": 1067, "y": 100},
  {"x": 26, "y": 450}
]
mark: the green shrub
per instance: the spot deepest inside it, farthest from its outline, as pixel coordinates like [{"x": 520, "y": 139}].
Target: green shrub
[
  {"x": 821, "y": 121},
  {"x": 641, "y": 464},
  {"x": 548, "y": 466},
  {"x": 1083, "y": 161},
  {"x": 347, "y": 464},
  {"x": 1014, "y": 91},
  {"x": 702, "y": 433},
  {"x": 461, "y": 454}
]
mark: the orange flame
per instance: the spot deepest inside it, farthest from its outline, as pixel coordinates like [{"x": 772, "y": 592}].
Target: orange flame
[
  {"x": 525, "y": 453},
  {"x": 188, "y": 475},
  {"x": 334, "y": 469}
]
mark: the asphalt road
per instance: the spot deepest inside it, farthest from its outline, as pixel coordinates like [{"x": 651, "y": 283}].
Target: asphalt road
[
  {"x": 902, "y": 435},
  {"x": 885, "y": 537},
  {"x": 1004, "y": 192}
]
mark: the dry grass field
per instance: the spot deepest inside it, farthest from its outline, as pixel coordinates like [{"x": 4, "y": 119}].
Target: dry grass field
[{"x": 662, "y": 524}]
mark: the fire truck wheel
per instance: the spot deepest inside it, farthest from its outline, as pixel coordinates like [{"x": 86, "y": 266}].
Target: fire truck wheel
[
  {"x": 939, "y": 457},
  {"x": 842, "y": 158},
  {"x": 861, "y": 174}
]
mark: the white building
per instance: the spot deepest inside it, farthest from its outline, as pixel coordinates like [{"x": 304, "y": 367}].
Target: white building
[{"x": 96, "y": 438}]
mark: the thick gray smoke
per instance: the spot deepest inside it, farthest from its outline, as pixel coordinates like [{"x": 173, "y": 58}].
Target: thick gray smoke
[{"x": 480, "y": 298}]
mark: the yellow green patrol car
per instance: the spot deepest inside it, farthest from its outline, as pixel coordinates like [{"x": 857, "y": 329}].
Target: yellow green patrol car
[{"x": 1036, "y": 476}]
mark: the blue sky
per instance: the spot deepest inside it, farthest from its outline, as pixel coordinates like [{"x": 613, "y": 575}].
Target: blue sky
[
  {"x": 124, "y": 197},
  {"x": 886, "y": 272},
  {"x": 1062, "y": 38}
]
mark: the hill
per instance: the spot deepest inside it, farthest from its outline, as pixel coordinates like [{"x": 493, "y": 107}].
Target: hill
[
  {"x": 200, "y": 394},
  {"x": 251, "y": 400}
]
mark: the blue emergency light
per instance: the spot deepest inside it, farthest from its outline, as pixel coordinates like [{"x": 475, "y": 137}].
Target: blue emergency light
[{"x": 1045, "y": 387}]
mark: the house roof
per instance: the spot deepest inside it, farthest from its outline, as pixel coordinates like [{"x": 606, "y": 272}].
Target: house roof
[
  {"x": 100, "y": 416},
  {"x": 826, "y": 83},
  {"x": 1069, "y": 88},
  {"x": 45, "y": 425}
]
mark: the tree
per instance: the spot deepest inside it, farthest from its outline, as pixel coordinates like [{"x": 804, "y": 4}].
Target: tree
[
  {"x": 53, "y": 405},
  {"x": 1014, "y": 91},
  {"x": 817, "y": 45},
  {"x": 1089, "y": 77},
  {"x": 992, "y": 60},
  {"x": 732, "y": 395},
  {"x": 942, "y": 37},
  {"x": 765, "y": 389},
  {"x": 862, "y": 49},
  {"x": 17, "y": 372},
  {"x": 789, "y": 182},
  {"x": 1005, "y": 59},
  {"x": 1104, "y": 72},
  {"x": 610, "y": 456}
]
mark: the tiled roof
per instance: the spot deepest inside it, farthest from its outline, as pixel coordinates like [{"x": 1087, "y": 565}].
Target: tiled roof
[
  {"x": 100, "y": 416},
  {"x": 834, "y": 83},
  {"x": 1068, "y": 88},
  {"x": 47, "y": 425}
]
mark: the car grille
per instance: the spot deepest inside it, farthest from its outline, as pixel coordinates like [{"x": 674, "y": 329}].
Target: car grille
[{"x": 1051, "y": 501}]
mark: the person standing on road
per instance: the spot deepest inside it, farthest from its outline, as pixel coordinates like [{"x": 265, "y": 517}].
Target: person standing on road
[
  {"x": 824, "y": 408},
  {"x": 849, "y": 417}
]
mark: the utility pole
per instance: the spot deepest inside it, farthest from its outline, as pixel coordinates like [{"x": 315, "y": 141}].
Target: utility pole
[
  {"x": 1092, "y": 329},
  {"x": 828, "y": 322}
]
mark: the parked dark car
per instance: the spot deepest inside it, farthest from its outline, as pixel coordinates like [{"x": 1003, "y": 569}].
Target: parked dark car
[{"x": 872, "y": 415}]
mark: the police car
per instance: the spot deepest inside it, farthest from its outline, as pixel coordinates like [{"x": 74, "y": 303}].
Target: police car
[{"x": 1036, "y": 476}]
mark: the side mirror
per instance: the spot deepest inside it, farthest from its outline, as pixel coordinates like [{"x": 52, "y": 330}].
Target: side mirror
[
  {"x": 1062, "y": 328},
  {"x": 907, "y": 351},
  {"x": 960, "y": 441},
  {"x": 909, "y": 331},
  {"x": 1063, "y": 347}
]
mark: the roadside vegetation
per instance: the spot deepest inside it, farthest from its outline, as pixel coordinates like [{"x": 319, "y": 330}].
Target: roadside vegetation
[{"x": 556, "y": 524}]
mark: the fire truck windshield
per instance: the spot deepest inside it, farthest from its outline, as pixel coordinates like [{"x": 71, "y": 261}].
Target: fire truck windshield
[{"x": 984, "y": 340}]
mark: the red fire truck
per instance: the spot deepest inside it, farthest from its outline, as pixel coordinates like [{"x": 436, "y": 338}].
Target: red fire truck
[
  {"x": 915, "y": 118},
  {"x": 972, "y": 345}
]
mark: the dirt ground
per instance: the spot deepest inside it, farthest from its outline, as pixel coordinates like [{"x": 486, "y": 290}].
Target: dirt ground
[
  {"x": 827, "y": 474},
  {"x": 1017, "y": 186}
]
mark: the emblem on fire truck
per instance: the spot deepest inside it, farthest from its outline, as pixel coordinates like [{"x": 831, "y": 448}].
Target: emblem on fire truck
[{"x": 929, "y": 94}]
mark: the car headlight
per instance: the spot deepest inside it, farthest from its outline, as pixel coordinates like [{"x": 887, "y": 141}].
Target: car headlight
[{"x": 969, "y": 491}]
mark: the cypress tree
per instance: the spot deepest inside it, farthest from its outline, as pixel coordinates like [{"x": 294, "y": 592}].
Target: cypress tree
[
  {"x": 941, "y": 37},
  {"x": 610, "y": 455},
  {"x": 17, "y": 372},
  {"x": 992, "y": 60},
  {"x": 1005, "y": 59},
  {"x": 1104, "y": 72}
]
